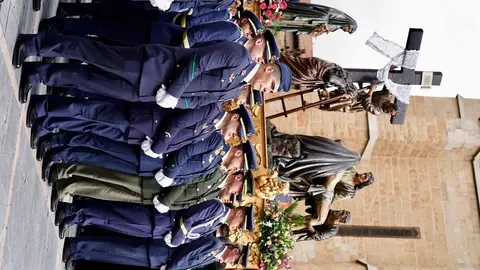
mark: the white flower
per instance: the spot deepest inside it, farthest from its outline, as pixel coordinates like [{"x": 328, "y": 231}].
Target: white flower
[{"x": 268, "y": 224}]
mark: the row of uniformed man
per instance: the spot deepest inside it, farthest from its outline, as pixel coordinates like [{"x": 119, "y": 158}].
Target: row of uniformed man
[{"x": 134, "y": 129}]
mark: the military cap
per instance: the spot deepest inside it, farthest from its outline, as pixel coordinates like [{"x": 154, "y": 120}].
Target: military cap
[
  {"x": 248, "y": 186},
  {"x": 245, "y": 252},
  {"x": 255, "y": 23},
  {"x": 271, "y": 47},
  {"x": 250, "y": 157},
  {"x": 247, "y": 129},
  {"x": 285, "y": 77},
  {"x": 248, "y": 224},
  {"x": 255, "y": 97}
]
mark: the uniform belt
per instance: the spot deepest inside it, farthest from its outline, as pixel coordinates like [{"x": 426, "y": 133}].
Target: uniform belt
[
  {"x": 182, "y": 226},
  {"x": 183, "y": 21},
  {"x": 186, "y": 44}
]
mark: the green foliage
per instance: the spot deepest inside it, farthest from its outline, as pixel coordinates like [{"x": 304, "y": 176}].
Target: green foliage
[{"x": 276, "y": 237}]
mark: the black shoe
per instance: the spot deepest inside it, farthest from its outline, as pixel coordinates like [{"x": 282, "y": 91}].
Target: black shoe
[
  {"x": 60, "y": 213},
  {"x": 63, "y": 229},
  {"x": 67, "y": 249},
  {"x": 31, "y": 114},
  {"x": 47, "y": 163},
  {"x": 38, "y": 155},
  {"x": 45, "y": 147},
  {"x": 70, "y": 264},
  {"x": 54, "y": 199},
  {"x": 20, "y": 51},
  {"x": 34, "y": 136},
  {"x": 61, "y": 12},
  {"x": 43, "y": 27},
  {"x": 37, "y": 5},
  {"x": 40, "y": 152},
  {"x": 52, "y": 177},
  {"x": 24, "y": 87}
]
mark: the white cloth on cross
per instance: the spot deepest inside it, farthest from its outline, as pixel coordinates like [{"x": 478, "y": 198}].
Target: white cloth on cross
[{"x": 399, "y": 57}]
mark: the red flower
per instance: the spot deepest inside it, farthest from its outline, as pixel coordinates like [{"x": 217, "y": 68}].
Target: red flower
[
  {"x": 279, "y": 15},
  {"x": 263, "y": 6},
  {"x": 269, "y": 14},
  {"x": 283, "y": 5},
  {"x": 270, "y": 6}
]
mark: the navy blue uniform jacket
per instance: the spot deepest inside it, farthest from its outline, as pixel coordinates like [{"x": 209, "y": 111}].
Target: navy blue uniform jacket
[{"x": 214, "y": 72}]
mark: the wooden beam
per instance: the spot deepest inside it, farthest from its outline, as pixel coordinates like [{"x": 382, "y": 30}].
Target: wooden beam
[
  {"x": 369, "y": 75},
  {"x": 379, "y": 231}
]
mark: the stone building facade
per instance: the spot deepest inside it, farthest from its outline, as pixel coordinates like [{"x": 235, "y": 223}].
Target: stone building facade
[{"x": 424, "y": 178}]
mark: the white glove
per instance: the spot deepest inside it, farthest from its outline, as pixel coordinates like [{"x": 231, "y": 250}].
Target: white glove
[
  {"x": 168, "y": 101},
  {"x": 163, "y": 5},
  {"x": 161, "y": 93},
  {"x": 152, "y": 154},
  {"x": 159, "y": 206},
  {"x": 163, "y": 180},
  {"x": 163, "y": 267},
  {"x": 168, "y": 240},
  {"x": 146, "y": 147},
  {"x": 147, "y": 144}
]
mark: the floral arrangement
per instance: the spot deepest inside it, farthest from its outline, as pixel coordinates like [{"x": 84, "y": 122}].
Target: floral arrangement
[
  {"x": 276, "y": 238},
  {"x": 271, "y": 10}
]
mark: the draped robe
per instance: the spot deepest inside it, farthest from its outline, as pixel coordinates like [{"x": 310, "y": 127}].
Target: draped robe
[{"x": 303, "y": 18}]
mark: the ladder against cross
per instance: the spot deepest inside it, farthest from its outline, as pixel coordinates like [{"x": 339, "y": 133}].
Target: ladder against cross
[{"x": 403, "y": 76}]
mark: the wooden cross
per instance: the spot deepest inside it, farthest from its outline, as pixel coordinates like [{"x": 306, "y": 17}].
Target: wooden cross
[{"x": 403, "y": 76}]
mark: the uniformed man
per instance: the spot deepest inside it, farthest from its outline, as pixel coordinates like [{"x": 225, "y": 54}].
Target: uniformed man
[
  {"x": 187, "y": 5},
  {"x": 141, "y": 11},
  {"x": 175, "y": 227},
  {"x": 249, "y": 97},
  {"x": 127, "y": 33},
  {"x": 91, "y": 181},
  {"x": 175, "y": 168},
  {"x": 136, "y": 33},
  {"x": 147, "y": 73},
  {"x": 153, "y": 253},
  {"x": 167, "y": 130}
]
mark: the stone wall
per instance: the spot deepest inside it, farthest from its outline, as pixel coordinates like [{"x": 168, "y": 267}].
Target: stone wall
[{"x": 424, "y": 178}]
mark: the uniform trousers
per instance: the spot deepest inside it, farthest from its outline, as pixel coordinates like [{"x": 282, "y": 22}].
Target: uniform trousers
[
  {"x": 89, "y": 265},
  {"x": 104, "y": 184},
  {"x": 131, "y": 251},
  {"x": 125, "y": 218},
  {"x": 136, "y": 33},
  {"x": 109, "y": 185},
  {"x": 63, "y": 140},
  {"x": 88, "y": 156},
  {"x": 125, "y": 10}
]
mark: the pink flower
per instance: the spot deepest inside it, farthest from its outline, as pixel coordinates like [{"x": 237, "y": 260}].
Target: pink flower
[
  {"x": 283, "y": 5},
  {"x": 269, "y": 23},
  {"x": 270, "y": 15},
  {"x": 274, "y": 6},
  {"x": 279, "y": 15},
  {"x": 263, "y": 6},
  {"x": 270, "y": 6}
]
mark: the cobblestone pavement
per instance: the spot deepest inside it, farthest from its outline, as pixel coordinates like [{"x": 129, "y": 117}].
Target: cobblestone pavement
[{"x": 28, "y": 238}]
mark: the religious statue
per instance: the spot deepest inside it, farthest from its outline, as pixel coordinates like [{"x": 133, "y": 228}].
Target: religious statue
[
  {"x": 318, "y": 170},
  {"x": 374, "y": 102},
  {"x": 297, "y": 157},
  {"x": 313, "y": 19},
  {"x": 326, "y": 230},
  {"x": 310, "y": 72}
]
